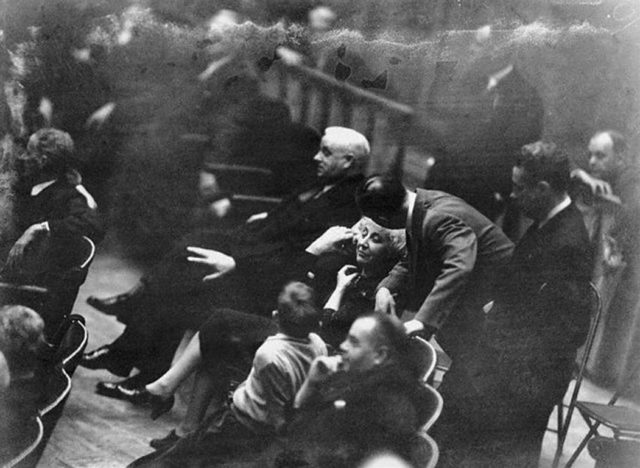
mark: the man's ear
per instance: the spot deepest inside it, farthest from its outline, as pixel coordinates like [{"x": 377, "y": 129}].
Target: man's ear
[
  {"x": 382, "y": 355},
  {"x": 349, "y": 160}
]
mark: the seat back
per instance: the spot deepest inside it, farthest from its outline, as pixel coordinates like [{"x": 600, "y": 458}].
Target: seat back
[
  {"x": 55, "y": 301},
  {"x": 434, "y": 405},
  {"x": 29, "y": 455},
  {"x": 72, "y": 343},
  {"x": 34, "y": 297},
  {"x": 425, "y": 451},
  {"x": 57, "y": 391},
  {"x": 425, "y": 355},
  {"x": 68, "y": 282}
]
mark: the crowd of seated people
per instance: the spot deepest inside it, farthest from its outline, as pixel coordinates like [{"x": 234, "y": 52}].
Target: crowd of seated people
[
  {"x": 52, "y": 212},
  {"x": 241, "y": 268},
  {"x": 510, "y": 316},
  {"x": 341, "y": 383}
]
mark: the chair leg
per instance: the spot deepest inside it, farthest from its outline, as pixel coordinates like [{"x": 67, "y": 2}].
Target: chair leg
[
  {"x": 560, "y": 425},
  {"x": 592, "y": 431}
]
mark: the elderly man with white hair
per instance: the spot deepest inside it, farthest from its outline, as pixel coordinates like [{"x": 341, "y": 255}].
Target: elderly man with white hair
[{"x": 242, "y": 268}]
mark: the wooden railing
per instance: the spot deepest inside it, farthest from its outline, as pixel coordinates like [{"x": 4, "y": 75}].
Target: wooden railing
[{"x": 320, "y": 100}]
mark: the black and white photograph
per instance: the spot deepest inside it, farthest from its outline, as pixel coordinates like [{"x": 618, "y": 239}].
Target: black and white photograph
[{"x": 320, "y": 233}]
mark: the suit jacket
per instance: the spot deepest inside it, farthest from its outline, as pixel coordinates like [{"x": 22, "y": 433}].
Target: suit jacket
[
  {"x": 454, "y": 254},
  {"x": 546, "y": 291},
  {"x": 381, "y": 409},
  {"x": 64, "y": 208},
  {"x": 294, "y": 224},
  {"x": 69, "y": 216}
]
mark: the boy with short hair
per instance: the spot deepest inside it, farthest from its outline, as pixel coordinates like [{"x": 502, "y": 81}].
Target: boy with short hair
[{"x": 260, "y": 404}]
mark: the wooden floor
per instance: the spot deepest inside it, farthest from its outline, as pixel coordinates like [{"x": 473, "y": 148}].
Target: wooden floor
[{"x": 96, "y": 431}]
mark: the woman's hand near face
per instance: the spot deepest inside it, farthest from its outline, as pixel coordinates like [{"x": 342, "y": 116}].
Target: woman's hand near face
[
  {"x": 334, "y": 239},
  {"x": 346, "y": 276}
]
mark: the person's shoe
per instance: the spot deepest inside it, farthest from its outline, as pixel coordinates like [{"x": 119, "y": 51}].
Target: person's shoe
[
  {"x": 116, "y": 390},
  {"x": 170, "y": 439},
  {"x": 159, "y": 405},
  {"x": 104, "y": 358},
  {"x": 137, "y": 395},
  {"x": 118, "y": 304}
]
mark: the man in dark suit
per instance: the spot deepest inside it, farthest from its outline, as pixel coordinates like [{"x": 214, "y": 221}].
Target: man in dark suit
[
  {"x": 540, "y": 318},
  {"x": 454, "y": 258},
  {"x": 454, "y": 253},
  {"x": 245, "y": 271}
]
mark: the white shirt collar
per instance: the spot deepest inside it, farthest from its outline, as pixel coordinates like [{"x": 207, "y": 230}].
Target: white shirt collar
[
  {"x": 36, "y": 189},
  {"x": 556, "y": 209}
]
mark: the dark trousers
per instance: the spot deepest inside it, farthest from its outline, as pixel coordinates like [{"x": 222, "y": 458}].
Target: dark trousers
[{"x": 225, "y": 440}]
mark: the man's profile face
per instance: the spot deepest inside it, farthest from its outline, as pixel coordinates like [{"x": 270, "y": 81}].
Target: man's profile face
[
  {"x": 527, "y": 195},
  {"x": 359, "y": 349},
  {"x": 604, "y": 163},
  {"x": 332, "y": 159}
]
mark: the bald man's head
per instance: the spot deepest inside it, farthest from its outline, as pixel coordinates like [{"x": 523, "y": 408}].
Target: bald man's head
[
  {"x": 607, "y": 154},
  {"x": 343, "y": 152}
]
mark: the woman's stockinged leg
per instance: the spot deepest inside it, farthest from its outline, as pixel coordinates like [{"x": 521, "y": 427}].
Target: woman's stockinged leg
[{"x": 187, "y": 363}]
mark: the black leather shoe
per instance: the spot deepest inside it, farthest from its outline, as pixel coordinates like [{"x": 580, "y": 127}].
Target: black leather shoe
[
  {"x": 138, "y": 396},
  {"x": 104, "y": 358},
  {"x": 115, "y": 390},
  {"x": 170, "y": 439},
  {"x": 159, "y": 405}
]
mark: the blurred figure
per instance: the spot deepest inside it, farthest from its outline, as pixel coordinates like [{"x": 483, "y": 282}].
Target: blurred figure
[
  {"x": 53, "y": 210},
  {"x": 21, "y": 342},
  {"x": 614, "y": 174},
  {"x": 321, "y": 19},
  {"x": 21, "y": 339},
  {"x": 384, "y": 460}
]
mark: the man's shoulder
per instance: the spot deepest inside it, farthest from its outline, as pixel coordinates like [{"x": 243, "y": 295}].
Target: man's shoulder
[
  {"x": 570, "y": 224},
  {"x": 440, "y": 207},
  {"x": 347, "y": 186}
]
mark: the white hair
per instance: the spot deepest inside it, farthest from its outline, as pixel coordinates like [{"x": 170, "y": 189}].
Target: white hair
[
  {"x": 396, "y": 238},
  {"x": 353, "y": 142}
]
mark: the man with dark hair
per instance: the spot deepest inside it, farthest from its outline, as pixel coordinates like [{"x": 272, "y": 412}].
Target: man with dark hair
[
  {"x": 245, "y": 271},
  {"x": 53, "y": 210},
  {"x": 367, "y": 399},
  {"x": 454, "y": 256},
  {"x": 540, "y": 318},
  {"x": 261, "y": 403}
]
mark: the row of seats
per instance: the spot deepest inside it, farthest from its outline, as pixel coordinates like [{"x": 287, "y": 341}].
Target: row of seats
[
  {"x": 67, "y": 337},
  {"x": 64, "y": 360}
]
